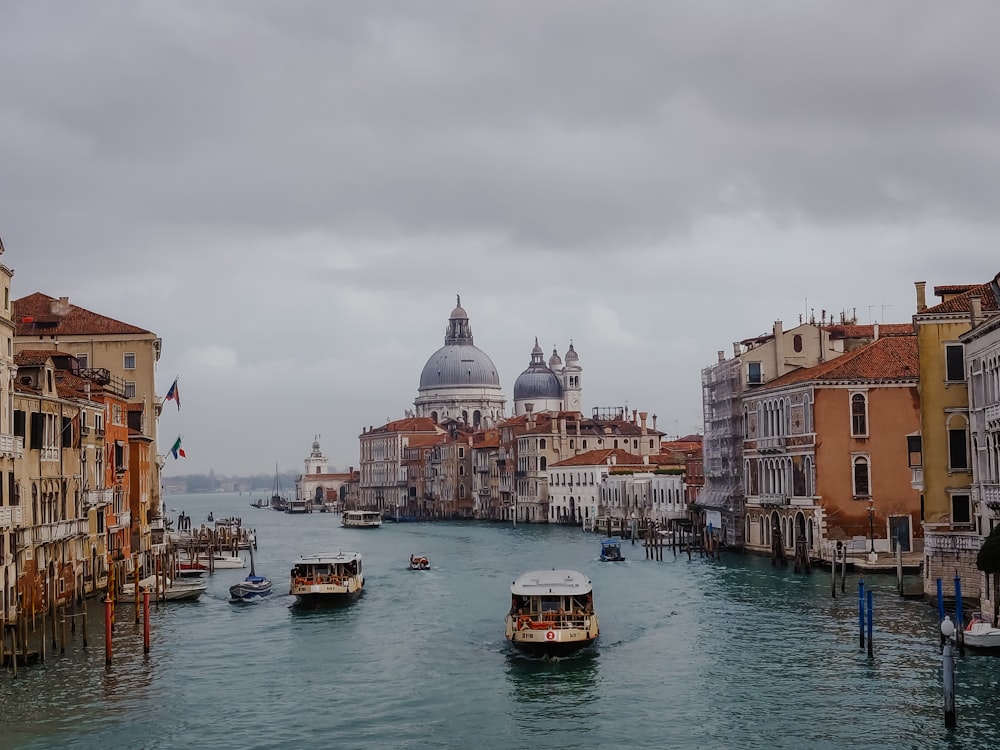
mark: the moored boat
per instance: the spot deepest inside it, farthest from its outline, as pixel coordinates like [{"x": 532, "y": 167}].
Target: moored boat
[
  {"x": 361, "y": 519},
  {"x": 419, "y": 562},
  {"x": 611, "y": 550},
  {"x": 979, "y": 633},
  {"x": 552, "y": 613},
  {"x": 327, "y": 577},
  {"x": 173, "y": 590}
]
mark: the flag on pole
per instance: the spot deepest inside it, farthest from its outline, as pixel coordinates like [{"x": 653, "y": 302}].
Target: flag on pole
[
  {"x": 176, "y": 449},
  {"x": 174, "y": 394}
]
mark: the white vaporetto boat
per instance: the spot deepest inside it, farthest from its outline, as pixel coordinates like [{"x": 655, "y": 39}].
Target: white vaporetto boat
[
  {"x": 327, "y": 577},
  {"x": 174, "y": 591},
  {"x": 361, "y": 519},
  {"x": 979, "y": 633},
  {"x": 552, "y": 613}
]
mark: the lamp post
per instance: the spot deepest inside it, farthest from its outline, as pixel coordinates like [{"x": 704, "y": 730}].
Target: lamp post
[{"x": 871, "y": 523}]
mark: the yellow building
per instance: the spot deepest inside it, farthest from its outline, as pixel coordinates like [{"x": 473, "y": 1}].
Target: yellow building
[{"x": 941, "y": 455}]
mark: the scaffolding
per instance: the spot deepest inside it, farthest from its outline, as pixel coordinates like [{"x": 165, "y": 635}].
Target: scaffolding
[{"x": 722, "y": 445}]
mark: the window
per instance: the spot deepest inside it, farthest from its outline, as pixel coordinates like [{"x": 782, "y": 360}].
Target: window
[
  {"x": 859, "y": 415},
  {"x": 128, "y": 361},
  {"x": 961, "y": 509},
  {"x": 82, "y": 359},
  {"x": 755, "y": 374},
  {"x": 129, "y": 389},
  {"x": 797, "y": 342},
  {"x": 958, "y": 452},
  {"x": 954, "y": 357},
  {"x": 914, "y": 450},
  {"x": 861, "y": 480}
]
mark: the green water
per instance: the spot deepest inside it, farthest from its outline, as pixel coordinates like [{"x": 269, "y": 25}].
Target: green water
[{"x": 698, "y": 654}]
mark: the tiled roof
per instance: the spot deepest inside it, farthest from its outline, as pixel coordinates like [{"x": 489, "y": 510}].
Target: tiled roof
[
  {"x": 854, "y": 331},
  {"x": 601, "y": 456},
  {"x": 39, "y": 314},
  {"x": 410, "y": 424},
  {"x": 30, "y": 359},
  {"x": 424, "y": 441},
  {"x": 889, "y": 358},
  {"x": 988, "y": 293}
]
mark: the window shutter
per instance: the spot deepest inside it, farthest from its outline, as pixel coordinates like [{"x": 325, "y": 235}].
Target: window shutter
[{"x": 37, "y": 429}]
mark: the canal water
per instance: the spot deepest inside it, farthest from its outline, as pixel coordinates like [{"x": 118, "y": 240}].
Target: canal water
[{"x": 692, "y": 654}]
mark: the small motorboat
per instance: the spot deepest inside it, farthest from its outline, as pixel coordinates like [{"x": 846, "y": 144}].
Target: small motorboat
[
  {"x": 252, "y": 587},
  {"x": 979, "y": 633},
  {"x": 551, "y": 613},
  {"x": 611, "y": 550},
  {"x": 419, "y": 562}
]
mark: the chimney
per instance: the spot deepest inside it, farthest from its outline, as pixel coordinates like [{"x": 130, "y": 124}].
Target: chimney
[
  {"x": 975, "y": 310},
  {"x": 722, "y": 356},
  {"x": 875, "y": 330},
  {"x": 654, "y": 422},
  {"x": 779, "y": 350},
  {"x": 736, "y": 348},
  {"x": 921, "y": 295},
  {"x": 642, "y": 418}
]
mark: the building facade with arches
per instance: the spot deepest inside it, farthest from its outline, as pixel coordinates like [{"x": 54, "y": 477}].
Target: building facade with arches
[{"x": 825, "y": 453}]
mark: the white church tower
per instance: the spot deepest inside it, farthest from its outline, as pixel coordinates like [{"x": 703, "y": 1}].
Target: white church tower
[
  {"x": 316, "y": 461},
  {"x": 572, "y": 384}
]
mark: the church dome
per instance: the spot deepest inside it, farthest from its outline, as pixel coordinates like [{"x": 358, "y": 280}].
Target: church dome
[
  {"x": 538, "y": 381},
  {"x": 459, "y": 363},
  {"x": 571, "y": 355},
  {"x": 554, "y": 360}
]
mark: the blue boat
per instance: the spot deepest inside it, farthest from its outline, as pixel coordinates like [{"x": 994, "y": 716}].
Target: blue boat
[
  {"x": 611, "y": 550},
  {"x": 252, "y": 587}
]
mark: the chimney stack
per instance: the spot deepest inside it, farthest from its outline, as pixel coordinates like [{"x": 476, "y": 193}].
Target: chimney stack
[
  {"x": 875, "y": 330},
  {"x": 642, "y": 418},
  {"x": 722, "y": 356},
  {"x": 975, "y": 310},
  {"x": 921, "y": 295}
]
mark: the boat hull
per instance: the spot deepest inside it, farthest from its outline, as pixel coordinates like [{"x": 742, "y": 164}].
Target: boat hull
[
  {"x": 982, "y": 637},
  {"x": 248, "y": 591},
  {"x": 540, "y": 639},
  {"x": 318, "y": 594}
]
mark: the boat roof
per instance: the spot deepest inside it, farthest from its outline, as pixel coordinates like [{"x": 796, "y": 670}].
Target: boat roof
[
  {"x": 606, "y": 542},
  {"x": 559, "y": 582},
  {"x": 327, "y": 558},
  {"x": 362, "y": 513}
]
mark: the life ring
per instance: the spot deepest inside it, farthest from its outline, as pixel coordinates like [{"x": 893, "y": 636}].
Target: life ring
[
  {"x": 550, "y": 636},
  {"x": 523, "y": 621}
]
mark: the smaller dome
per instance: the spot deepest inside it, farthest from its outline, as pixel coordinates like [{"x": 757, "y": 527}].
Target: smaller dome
[
  {"x": 315, "y": 445},
  {"x": 537, "y": 384},
  {"x": 555, "y": 360},
  {"x": 459, "y": 312},
  {"x": 571, "y": 355}
]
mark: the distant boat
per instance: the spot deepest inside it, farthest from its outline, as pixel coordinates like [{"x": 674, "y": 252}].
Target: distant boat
[
  {"x": 278, "y": 502},
  {"x": 419, "y": 562},
  {"x": 979, "y": 633},
  {"x": 551, "y": 613},
  {"x": 174, "y": 590},
  {"x": 611, "y": 550},
  {"x": 361, "y": 519}
]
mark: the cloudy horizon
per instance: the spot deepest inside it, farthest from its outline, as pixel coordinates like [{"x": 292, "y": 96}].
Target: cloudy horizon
[{"x": 291, "y": 196}]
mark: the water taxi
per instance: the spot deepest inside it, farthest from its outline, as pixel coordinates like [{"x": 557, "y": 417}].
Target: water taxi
[
  {"x": 552, "y": 613},
  {"x": 361, "y": 519},
  {"x": 327, "y": 577},
  {"x": 611, "y": 550}
]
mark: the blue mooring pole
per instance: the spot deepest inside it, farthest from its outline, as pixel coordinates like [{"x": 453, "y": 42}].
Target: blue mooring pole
[
  {"x": 871, "y": 625},
  {"x": 861, "y": 611}
]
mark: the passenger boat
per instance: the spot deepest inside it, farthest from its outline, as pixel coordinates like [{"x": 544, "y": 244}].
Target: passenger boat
[
  {"x": 552, "y": 613},
  {"x": 173, "y": 591},
  {"x": 298, "y": 505},
  {"x": 611, "y": 550},
  {"x": 979, "y": 633},
  {"x": 327, "y": 577},
  {"x": 361, "y": 519},
  {"x": 252, "y": 587},
  {"x": 419, "y": 562}
]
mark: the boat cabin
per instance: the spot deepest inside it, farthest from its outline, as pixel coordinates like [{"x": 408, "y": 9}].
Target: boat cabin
[{"x": 321, "y": 567}]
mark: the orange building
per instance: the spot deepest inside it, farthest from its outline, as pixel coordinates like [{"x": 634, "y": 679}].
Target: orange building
[{"x": 825, "y": 453}]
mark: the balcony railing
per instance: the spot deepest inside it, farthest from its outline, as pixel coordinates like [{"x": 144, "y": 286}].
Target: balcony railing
[
  {"x": 917, "y": 477},
  {"x": 772, "y": 499},
  {"x": 990, "y": 495},
  {"x": 50, "y": 454},
  {"x": 59, "y": 531},
  {"x": 992, "y": 414},
  {"x": 772, "y": 444},
  {"x": 11, "y": 516},
  {"x": 11, "y": 446},
  {"x": 97, "y": 498},
  {"x": 952, "y": 542},
  {"x": 122, "y": 521}
]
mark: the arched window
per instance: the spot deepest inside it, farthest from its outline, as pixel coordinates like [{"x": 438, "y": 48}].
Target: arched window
[
  {"x": 862, "y": 481},
  {"x": 541, "y": 443},
  {"x": 859, "y": 415},
  {"x": 958, "y": 442}
]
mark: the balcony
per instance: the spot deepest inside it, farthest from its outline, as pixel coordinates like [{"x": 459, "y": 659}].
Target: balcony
[
  {"x": 97, "y": 498},
  {"x": 772, "y": 444},
  {"x": 11, "y": 446},
  {"x": 917, "y": 478},
  {"x": 772, "y": 500},
  {"x": 990, "y": 495},
  {"x": 122, "y": 521},
  {"x": 59, "y": 531},
  {"x": 11, "y": 516},
  {"x": 50, "y": 454},
  {"x": 992, "y": 414},
  {"x": 952, "y": 542}
]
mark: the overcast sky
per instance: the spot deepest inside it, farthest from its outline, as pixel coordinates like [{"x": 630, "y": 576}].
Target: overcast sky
[{"x": 291, "y": 194}]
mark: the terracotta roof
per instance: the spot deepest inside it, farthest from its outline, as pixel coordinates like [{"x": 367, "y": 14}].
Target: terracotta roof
[
  {"x": 889, "y": 358},
  {"x": 988, "y": 293},
  {"x": 599, "y": 457},
  {"x": 409, "y": 424},
  {"x": 424, "y": 441},
  {"x": 854, "y": 331},
  {"x": 39, "y": 314},
  {"x": 31, "y": 359}
]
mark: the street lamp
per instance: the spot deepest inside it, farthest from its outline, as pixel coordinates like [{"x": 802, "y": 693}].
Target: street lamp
[{"x": 871, "y": 523}]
